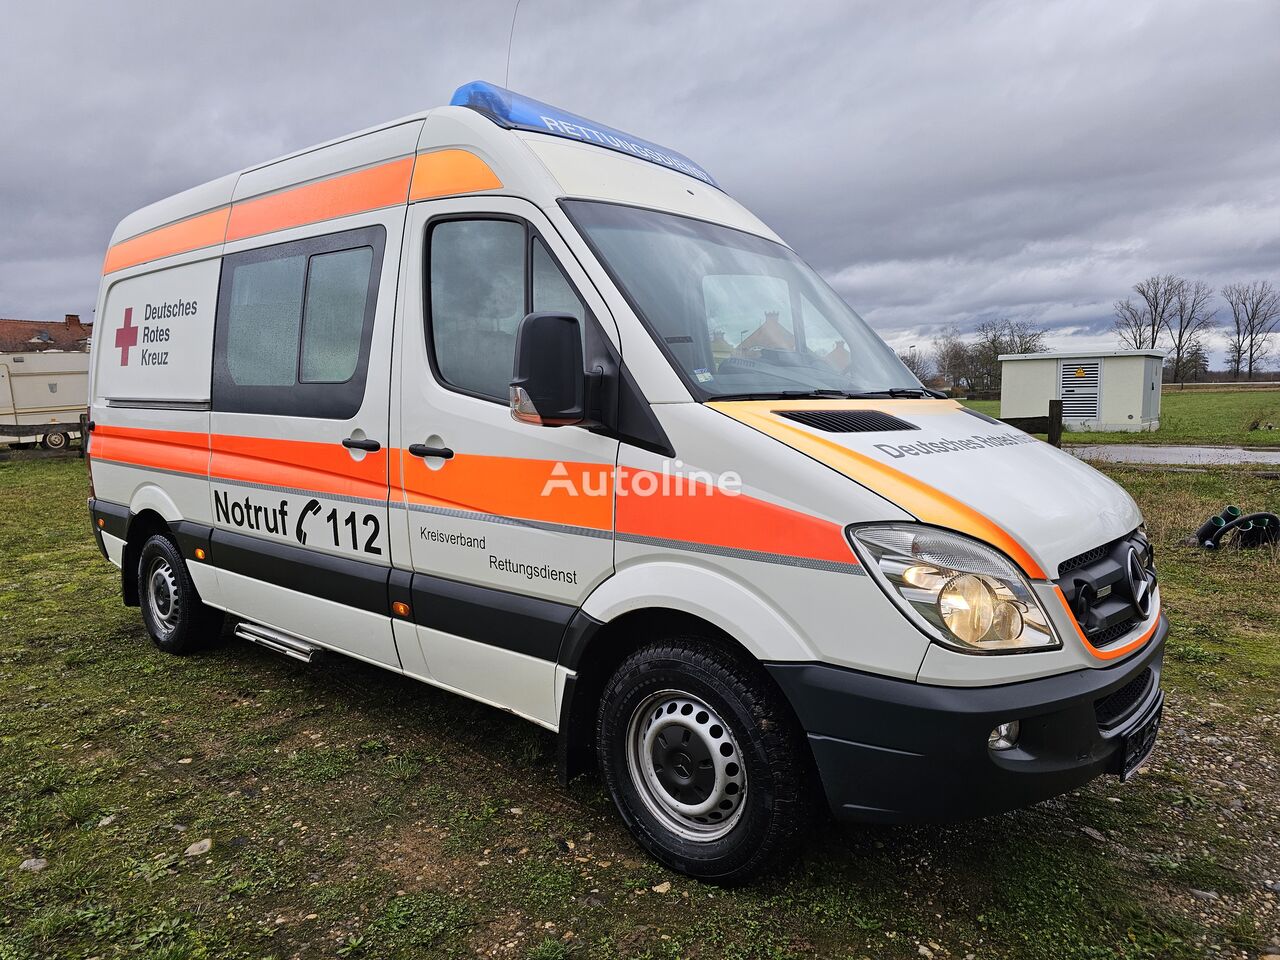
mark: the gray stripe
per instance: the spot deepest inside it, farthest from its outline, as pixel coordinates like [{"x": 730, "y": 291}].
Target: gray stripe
[
  {"x": 810, "y": 563},
  {"x": 137, "y": 466},
  {"x": 508, "y": 521},
  {"x": 135, "y": 403}
]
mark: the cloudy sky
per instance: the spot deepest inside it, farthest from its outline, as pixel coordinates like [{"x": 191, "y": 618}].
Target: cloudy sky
[{"x": 938, "y": 162}]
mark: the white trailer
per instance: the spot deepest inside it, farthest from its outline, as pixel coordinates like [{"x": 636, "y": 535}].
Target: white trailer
[{"x": 46, "y": 391}]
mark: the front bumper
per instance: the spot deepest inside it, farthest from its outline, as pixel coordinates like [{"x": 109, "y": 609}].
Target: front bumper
[{"x": 893, "y": 751}]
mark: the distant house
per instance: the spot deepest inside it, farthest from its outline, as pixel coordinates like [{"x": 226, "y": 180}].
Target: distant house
[
  {"x": 839, "y": 358},
  {"x": 770, "y": 335},
  {"x": 29, "y": 336}
]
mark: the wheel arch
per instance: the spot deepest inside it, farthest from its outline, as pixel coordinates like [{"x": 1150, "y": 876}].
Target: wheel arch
[
  {"x": 648, "y": 602},
  {"x": 151, "y": 512}
]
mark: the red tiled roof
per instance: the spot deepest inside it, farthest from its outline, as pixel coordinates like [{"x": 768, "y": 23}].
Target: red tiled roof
[{"x": 25, "y": 336}]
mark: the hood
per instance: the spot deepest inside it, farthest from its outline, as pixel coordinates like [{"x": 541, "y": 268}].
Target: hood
[{"x": 949, "y": 466}]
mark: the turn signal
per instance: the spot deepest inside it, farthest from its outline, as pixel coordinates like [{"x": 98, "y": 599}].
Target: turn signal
[
  {"x": 200, "y": 554},
  {"x": 400, "y": 608}
]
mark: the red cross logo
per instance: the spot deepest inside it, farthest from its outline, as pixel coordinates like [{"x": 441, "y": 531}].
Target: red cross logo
[{"x": 126, "y": 336}]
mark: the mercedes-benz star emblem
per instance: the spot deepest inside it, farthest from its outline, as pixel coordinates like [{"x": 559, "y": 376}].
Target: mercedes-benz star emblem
[{"x": 1139, "y": 582}]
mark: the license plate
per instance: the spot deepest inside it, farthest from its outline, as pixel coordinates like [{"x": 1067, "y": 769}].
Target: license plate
[{"x": 1139, "y": 744}]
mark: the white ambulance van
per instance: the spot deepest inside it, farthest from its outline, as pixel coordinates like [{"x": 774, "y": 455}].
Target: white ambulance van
[{"x": 529, "y": 409}]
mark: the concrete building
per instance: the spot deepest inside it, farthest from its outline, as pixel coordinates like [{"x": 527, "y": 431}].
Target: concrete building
[{"x": 1100, "y": 390}]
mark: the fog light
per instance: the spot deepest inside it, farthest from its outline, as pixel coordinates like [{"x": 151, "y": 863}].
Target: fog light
[{"x": 1004, "y": 736}]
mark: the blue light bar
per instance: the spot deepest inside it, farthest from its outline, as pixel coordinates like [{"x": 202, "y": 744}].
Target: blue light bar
[{"x": 516, "y": 112}]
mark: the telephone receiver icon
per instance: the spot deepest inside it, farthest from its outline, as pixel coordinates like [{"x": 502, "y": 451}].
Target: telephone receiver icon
[{"x": 313, "y": 506}]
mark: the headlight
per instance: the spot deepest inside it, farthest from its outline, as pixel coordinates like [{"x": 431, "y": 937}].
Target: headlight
[{"x": 959, "y": 591}]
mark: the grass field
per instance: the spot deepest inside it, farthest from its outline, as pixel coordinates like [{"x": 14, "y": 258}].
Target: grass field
[
  {"x": 1218, "y": 417},
  {"x": 352, "y": 813}
]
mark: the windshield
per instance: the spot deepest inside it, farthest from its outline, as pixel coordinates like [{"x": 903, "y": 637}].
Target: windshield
[{"x": 738, "y": 315}]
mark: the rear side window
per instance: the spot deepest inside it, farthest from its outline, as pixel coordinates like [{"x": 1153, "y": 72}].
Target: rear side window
[
  {"x": 485, "y": 276},
  {"x": 262, "y": 324},
  {"x": 294, "y": 325},
  {"x": 333, "y": 316}
]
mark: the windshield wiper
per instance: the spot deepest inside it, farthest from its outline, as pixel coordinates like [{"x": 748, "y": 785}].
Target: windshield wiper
[
  {"x": 899, "y": 393},
  {"x": 823, "y": 393},
  {"x": 788, "y": 395}
]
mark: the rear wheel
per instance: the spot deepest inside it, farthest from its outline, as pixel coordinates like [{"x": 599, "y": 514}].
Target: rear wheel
[
  {"x": 171, "y": 608},
  {"x": 55, "y": 441},
  {"x": 704, "y": 761}
]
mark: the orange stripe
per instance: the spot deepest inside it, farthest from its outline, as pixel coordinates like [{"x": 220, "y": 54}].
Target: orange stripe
[
  {"x": 446, "y": 172},
  {"x": 918, "y": 498},
  {"x": 437, "y": 174},
  {"x": 1114, "y": 652},
  {"x": 204, "y": 230},
  {"x": 514, "y": 487},
  {"x": 301, "y": 464},
  {"x": 370, "y": 189},
  {"x": 648, "y": 505},
  {"x": 162, "y": 449},
  {"x": 714, "y": 517}
]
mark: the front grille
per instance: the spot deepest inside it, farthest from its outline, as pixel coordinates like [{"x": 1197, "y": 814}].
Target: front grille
[
  {"x": 1107, "y": 598},
  {"x": 847, "y": 421},
  {"x": 1112, "y": 633},
  {"x": 1084, "y": 559},
  {"x": 1117, "y": 707}
]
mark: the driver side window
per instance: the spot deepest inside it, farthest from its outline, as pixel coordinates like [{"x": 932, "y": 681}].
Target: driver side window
[{"x": 484, "y": 276}]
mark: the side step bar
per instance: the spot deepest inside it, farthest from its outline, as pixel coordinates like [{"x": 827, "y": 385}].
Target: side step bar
[{"x": 278, "y": 641}]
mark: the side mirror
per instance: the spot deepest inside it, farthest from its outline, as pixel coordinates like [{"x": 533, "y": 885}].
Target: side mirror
[{"x": 549, "y": 384}]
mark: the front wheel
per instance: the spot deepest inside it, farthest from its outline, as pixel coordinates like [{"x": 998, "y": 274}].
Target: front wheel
[
  {"x": 706, "y": 764},
  {"x": 55, "y": 441}
]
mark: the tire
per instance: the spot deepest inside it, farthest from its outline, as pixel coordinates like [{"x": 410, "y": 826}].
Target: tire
[
  {"x": 705, "y": 762},
  {"x": 172, "y": 611},
  {"x": 55, "y": 441}
]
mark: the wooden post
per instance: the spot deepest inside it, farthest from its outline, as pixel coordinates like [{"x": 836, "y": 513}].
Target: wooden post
[
  {"x": 84, "y": 434},
  {"x": 1055, "y": 423}
]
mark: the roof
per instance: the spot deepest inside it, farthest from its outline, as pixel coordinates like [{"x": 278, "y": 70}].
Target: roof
[
  {"x": 1082, "y": 354},
  {"x": 416, "y": 158},
  {"x": 27, "y": 336}
]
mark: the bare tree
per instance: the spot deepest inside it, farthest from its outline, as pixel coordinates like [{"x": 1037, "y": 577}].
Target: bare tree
[
  {"x": 1021, "y": 336},
  {"x": 996, "y": 337},
  {"x": 1130, "y": 327},
  {"x": 917, "y": 361},
  {"x": 973, "y": 363},
  {"x": 1189, "y": 318},
  {"x": 1255, "y": 313},
  {"x": 951, "y": 356},
  {"x": 1140, "y": 324},
  {"x": 1237, "y": 337}
]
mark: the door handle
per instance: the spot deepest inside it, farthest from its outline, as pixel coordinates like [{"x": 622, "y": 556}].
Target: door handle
[
  {"x": 422, "y": 450},
  {"x": 351, "y": 443}
]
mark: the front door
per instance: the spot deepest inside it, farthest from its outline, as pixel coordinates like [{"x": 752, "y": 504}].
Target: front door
[{"x": 509, "y": 526}]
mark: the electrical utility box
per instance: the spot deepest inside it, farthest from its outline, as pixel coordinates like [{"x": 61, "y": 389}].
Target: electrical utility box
[{"x": 1106, "y": 390}]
